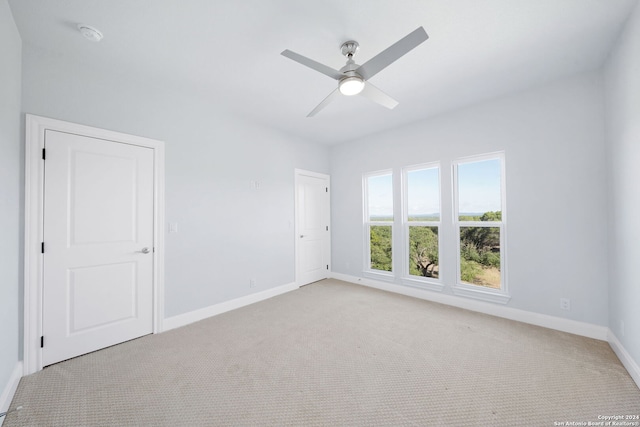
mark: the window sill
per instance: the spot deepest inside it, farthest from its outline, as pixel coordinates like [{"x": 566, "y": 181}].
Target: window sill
[
  {"x": 378, "y": 275},
  {"x": 423, "y": 284},
  {"x": 484, "y": 294}
]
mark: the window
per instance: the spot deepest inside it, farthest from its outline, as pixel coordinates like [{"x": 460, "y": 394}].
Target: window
[
  {"x": 480, "y": 223},
  {"x": 421, "y": 212},
  {"x": 378, "y": 222},
  {"x": 418, "y": 247}
]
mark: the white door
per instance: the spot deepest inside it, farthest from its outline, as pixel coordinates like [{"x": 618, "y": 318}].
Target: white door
[
  {"x": 98, "y": 244},
  {"x": 312, "y": 227}
]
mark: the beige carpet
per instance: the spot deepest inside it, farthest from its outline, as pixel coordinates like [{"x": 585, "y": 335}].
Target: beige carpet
[{"x": 335, "y": 354}]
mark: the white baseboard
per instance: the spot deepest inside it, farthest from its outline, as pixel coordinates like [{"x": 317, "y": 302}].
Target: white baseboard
[
  {"x": 565, "y": 325},
  {"x": 10, "y": 389},
  {"x": 627, "y": 361},
  {"x": 203, "y": 313}
]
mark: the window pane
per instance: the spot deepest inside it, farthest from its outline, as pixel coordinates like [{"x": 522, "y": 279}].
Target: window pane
[
  {"x": 380, "y": 247},
  {"x": 479, "y": 189},
  {"x": 423, "y": 195},
  {"x": 480, "y": 256},
  {"x": 423, "y": 251},
  {"x": 380, "y": 197}
]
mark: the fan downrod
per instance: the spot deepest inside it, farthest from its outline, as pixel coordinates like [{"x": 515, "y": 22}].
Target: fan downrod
[{"x": 349, "y": 48}]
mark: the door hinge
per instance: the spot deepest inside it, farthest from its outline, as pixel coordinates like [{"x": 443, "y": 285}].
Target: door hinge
[
  {"x": 42, "y": 342},
  {"x": 327, "y": 266},
  {"x": 43, "y": 154},
  {"x": 326, "y": 189},
  {"x": 327, "y": 228},
  {"x": 42, "y": 247}
]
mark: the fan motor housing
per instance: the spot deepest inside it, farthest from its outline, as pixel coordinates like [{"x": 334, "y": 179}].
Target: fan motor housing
[{"x": 349, "y": 48}]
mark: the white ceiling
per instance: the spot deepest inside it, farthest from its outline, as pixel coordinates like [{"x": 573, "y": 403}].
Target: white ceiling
[{"x": 230, "y": 50}]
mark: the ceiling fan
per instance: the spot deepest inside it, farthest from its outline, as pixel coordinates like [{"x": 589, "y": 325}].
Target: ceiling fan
[{"x": 353, "y": 78}]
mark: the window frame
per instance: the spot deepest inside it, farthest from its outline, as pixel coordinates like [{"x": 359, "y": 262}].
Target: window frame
[
  {"x": 367, "y": 224},
  {"x": 407, "y": 278},
  {"x": 468, "y": 289}
]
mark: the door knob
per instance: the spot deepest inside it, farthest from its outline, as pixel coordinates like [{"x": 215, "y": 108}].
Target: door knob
[{"x": 144, "y": 250}]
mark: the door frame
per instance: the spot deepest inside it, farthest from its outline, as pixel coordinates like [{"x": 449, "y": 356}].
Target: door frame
[
  {"x": 298, "y": 173},
  {"x": 34, "y": 219}
]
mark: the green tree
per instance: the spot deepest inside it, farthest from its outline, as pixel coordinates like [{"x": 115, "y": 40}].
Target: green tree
[
  {"x": 469, "y": 251},
  {"x": 469, "y": 270},
  {"x": 479, "y": 247},
  {"x": 423, "y": 251},
  {"x": 481, "y": 237},
  {"x": 491, "y": 258},
  {"x": 380, "y": 243},
  {"x": 491, "y": 216}
]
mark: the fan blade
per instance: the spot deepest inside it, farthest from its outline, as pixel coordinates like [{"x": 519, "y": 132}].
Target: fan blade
[
  {"x": 324, "y": 102},
  {"x": 378, "y": 96},
  {"x": 392, "y": 53},
  {"x": 328, "y": 71}
]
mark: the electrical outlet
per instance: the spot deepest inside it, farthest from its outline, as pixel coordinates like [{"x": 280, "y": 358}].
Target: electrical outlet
[
  {"x": 565, "y": 303},
  {"x": 252, "y": 283}
]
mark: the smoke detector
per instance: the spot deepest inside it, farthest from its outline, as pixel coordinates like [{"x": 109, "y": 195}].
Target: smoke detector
[{"x": 90, "y": 33}]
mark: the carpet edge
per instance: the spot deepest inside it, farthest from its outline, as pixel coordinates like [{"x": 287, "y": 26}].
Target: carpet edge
[
  {"x": 10, "y": 388},
  {"x": 213, "y": 310},
  {"x": 575, "y": 327},
  {"x": 627, "y": 361}
]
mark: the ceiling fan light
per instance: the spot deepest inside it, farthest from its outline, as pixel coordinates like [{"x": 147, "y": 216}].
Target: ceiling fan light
[{"x": 351, "y": 86}]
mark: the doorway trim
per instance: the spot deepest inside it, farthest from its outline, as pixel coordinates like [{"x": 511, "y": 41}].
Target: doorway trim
[
  {"x": 298, "y": 173},
  {"x": 34, "y": 219}
]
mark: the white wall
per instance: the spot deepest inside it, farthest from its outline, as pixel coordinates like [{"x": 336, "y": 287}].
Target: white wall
[
  {"x": 10, "y": 201},
  {"x": 227, "y": 233},
  {"x": 622, "y": 79},
  {"x": 553, "y": 138}
]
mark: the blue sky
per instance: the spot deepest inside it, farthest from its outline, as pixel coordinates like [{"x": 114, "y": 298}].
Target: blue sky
[
  {"x": 423, "y": 193},
  {"x": 479, "y": 186},
  {"x": 478, "y": 189},
  {"x": 380, "y": 195}
]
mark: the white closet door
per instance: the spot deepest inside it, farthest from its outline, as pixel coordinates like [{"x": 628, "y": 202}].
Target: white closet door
[{"x": 312, "y": 217}]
